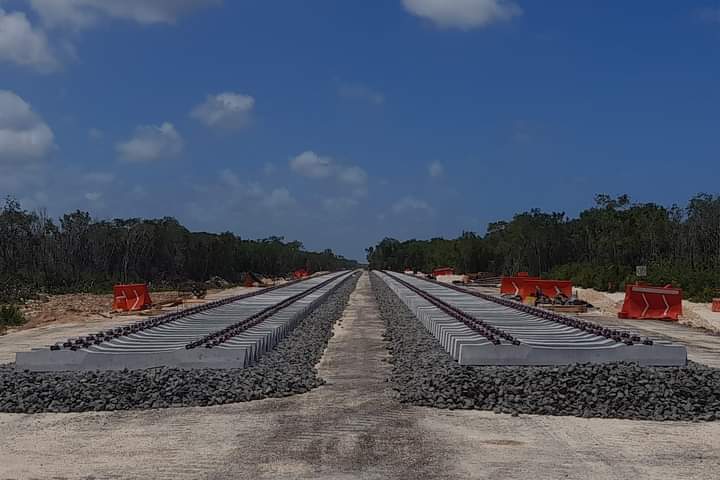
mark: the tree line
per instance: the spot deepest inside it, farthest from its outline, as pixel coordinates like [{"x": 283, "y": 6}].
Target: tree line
[
  {"x": 600, "y": 248},
  {"x": 79, "y": 253}
]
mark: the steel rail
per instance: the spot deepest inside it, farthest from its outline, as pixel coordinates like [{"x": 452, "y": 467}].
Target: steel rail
[
  {"x": 469, "y": 324},
  {"x": 221, "y": 336},
  {"x": 475, "y": 324},
  {"x": 142, "y": 325},
  {"x": 625, "y": 337}
]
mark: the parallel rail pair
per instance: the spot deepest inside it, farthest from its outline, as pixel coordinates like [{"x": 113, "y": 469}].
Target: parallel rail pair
[
  {"x": 481, "y": 329},
  {"x": 230, "y": 333}
]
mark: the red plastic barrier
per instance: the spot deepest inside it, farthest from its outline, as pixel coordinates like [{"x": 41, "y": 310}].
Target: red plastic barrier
[
  {"x": 716, "y": 305},
  {"x": 514, "y": 285},
  {"x": 645, "y": 302},
  {"x": 549, "y": 288},
  {"x": 300, "y": 274},
  {"x": 438, "y": 272},
  {"x": 526, "y": 286},
  {"x": 130, "y": 298}
]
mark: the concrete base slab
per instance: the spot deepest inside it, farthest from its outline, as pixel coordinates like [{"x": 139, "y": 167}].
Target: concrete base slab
[{"x": 47, "y": 360}]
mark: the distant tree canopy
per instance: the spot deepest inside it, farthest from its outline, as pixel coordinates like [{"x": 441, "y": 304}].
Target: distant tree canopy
[
  {"x": 82, "y": 254},
  {"x": 600, "y": 248}
]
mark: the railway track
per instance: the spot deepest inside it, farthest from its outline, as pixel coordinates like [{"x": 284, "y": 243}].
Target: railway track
[
  {"x": 480, "y": 329},
  {"x": 230, "y": 333}
]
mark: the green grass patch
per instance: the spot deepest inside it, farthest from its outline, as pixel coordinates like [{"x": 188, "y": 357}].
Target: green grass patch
[{"x": 10, "y": 316}]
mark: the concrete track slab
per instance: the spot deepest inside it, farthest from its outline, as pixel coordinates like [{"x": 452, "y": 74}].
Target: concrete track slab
[
  {"x": 702, "y": 346},
  {"x": 541, "y": 341},
  {"x": 165, "y": 345},
  {"x": 25, "y": 339}
]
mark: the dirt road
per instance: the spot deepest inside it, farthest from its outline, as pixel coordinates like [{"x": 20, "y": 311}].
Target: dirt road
[{"x": 350, "y": 429}]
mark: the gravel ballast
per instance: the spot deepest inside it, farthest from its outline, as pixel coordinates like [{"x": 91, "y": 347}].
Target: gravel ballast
[
  {"x": 286, "y": 370},
  {"x": 424, "y": 374}
]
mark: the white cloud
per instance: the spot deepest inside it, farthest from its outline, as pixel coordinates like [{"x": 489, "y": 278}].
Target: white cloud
[
  {"x": 310, "y": 164},
  {"x": 23, "y": 134},
  {"x": 411, "y": 204},
  {"x": 99, "y": 178},
  {"x": 362, "y": 92},
  {"x": 151, "y": 143},
  {"x": 339, "y": 204},
  {"x": 18, "y": 178},
  {"x": 710, "y": 15},
  {"x": 35, "y": 201},
  {"x": 278, "y": 198},
  {"x": 269, "y": 168},
  {"x": 138, "y": 192},
  {"x": 93, "y": 196},
  {"x": 226, "y": 110},
  {"x": 95, "y": 133},
  {"x": 24, "y": 45},
  {"x": 463, "y": 14},
  {"x": 436, "y": 169},
  {"x": 229, "y": 178},
  {"x": 352, "y": 175},
  {"x": 95, "y": 199},
  {"x": 252, "y": 193},
  {"x": 79, "y": 14}
]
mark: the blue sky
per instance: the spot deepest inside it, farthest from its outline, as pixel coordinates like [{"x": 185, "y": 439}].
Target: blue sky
[{"x": 340, "y": 123}]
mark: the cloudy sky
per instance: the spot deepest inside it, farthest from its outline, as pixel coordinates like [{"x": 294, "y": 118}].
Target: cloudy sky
[{"x": 339, "y": 123}]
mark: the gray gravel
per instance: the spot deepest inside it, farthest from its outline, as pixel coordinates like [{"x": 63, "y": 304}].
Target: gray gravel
[
  {"x": 424, "y": 374},
  {"x": 287, "y": 370}
]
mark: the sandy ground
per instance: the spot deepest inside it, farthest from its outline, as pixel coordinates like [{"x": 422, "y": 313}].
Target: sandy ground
[
  {"x": 84, "y": 314},
  {"x": 698, "y": 315},
  {"x": 76, "y": 307},
  {"x": 350, "y": 429}
]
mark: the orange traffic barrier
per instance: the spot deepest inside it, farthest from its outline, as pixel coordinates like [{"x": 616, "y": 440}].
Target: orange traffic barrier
[
  {"x": 439, "y": 272},
  {"x": 525, "y": 286},
  {"x": 549, "y": 288},
  {"x": 300, "y": 274},
  {"x": 513, "y": 285},
  {"x": 130, "y": 298},
  {"x": 645, "y": 302},
  {"x": 716, "y": 305}
]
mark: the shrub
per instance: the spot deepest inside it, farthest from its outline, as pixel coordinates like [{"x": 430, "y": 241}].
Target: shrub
[{"x": 11, "y": 316}]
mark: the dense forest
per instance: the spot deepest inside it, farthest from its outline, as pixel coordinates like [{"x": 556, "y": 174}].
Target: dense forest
[
  {"x": 600, "y": 248},
  {"x": 82, "y": 254}
]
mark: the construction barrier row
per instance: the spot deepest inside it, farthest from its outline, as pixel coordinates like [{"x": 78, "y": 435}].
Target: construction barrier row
[{"x": 526, "y": 286}]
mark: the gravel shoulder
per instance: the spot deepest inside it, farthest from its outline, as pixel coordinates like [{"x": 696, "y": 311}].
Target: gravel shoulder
[{"x": 350, "y": 428}]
